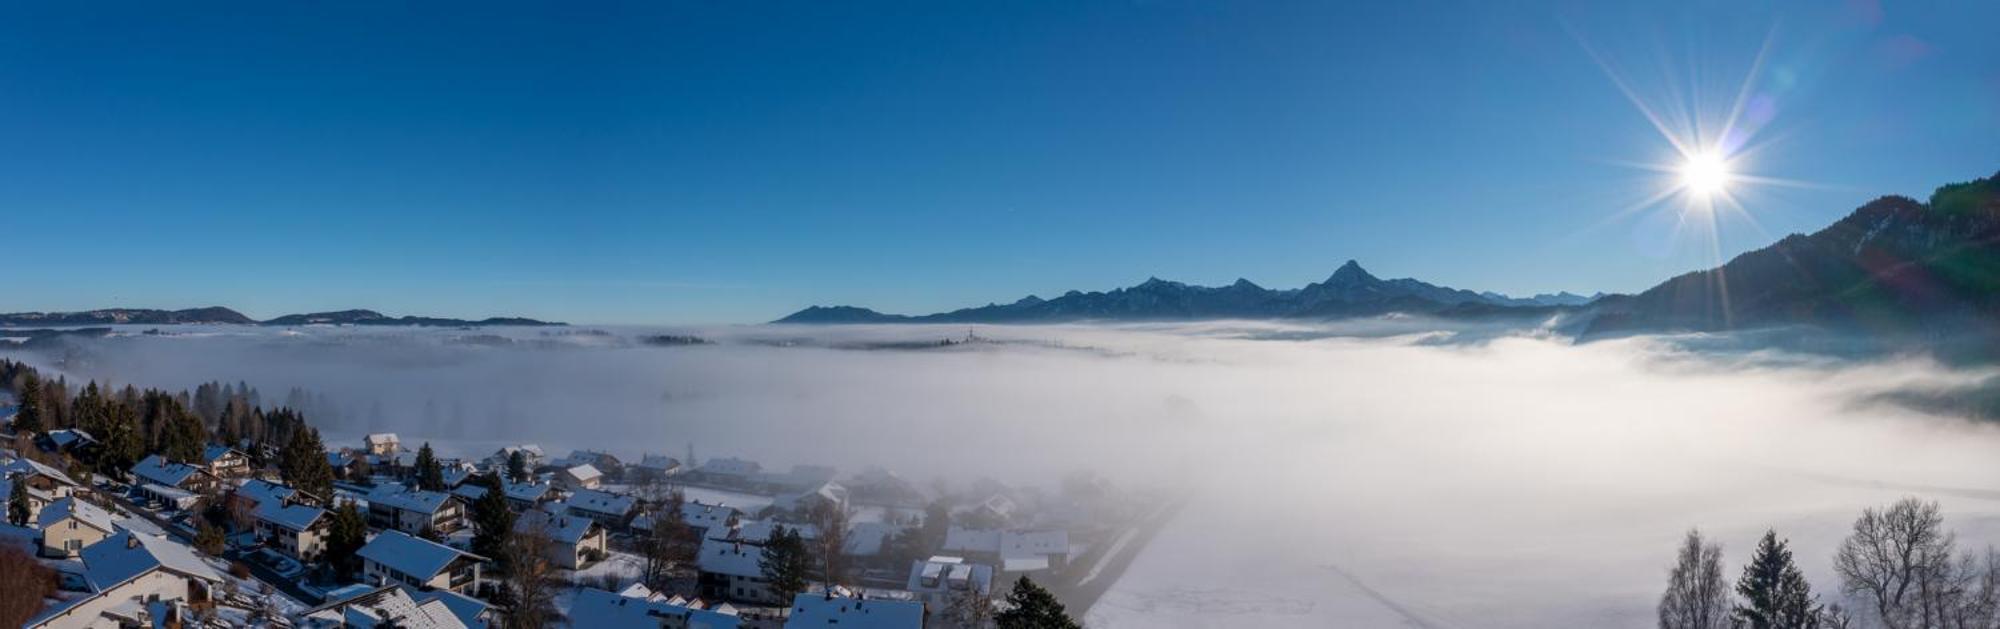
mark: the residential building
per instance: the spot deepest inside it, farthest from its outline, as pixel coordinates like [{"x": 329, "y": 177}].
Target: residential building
[
  {"x": 395, "y": 557},
  {"x": 172, "y": 483},
  {"x": 1012, "y": 550},
  {"x": 532, "y": 452},
  {"x": 937, "y": 580},
  {"x": 45, "y": 484},
  {"x": 382, "y": 444},
  {"x": 584, "y": 476},
  {"x": 823, "y": 495},
  {"x": 726, "y": 471},
  {"x": 729, "y": 570},
  {"x": 294, "y": 528},
  {"x": 639, "y": 608},
  {"x": 225, "y": 463},
  {"x": 653, "y": 467},
  {"x": 70, "y": 524},
  {"x": 825, "y": 609},
  {"x": 127, "y": 572},
  {"x": 412, "y": 510},
  {"x": 613, "y": 511},
  {"x": 577, "y": 541},
  {"x": 399, "y": 605}
]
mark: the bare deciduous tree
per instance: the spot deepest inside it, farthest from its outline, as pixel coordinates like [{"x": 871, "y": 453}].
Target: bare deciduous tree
[
  {"x": 1697, "y": 597},
  {"x": 1897, "y": 560},
  {"x": 831, "y": 519},
  {"x": 532, "y": 578}
]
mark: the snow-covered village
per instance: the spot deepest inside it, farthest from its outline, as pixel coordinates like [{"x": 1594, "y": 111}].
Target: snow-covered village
[{"x": 201, "y": 509}]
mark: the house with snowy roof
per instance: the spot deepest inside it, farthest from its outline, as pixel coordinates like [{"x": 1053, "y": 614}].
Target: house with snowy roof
[
  {"x": 730, "y": 570},
  {"x": 69, "y": 525},
  {"x": 292, "y": 527},
  {"x": 176, "y": 484},
  {"x": 614, "y": 511},
  {"x": 653, "y": 467},
  {"x": 638, "y": 608},
  {"x": 937, "y": 580},
  {"x": 411, "y": 510},
  {"x": 399, "y": 605},
  {"x": 127, "y": 571},
  {"x": 585, "y": 476},
  {"x": 726, "y": 471},
  {"x": 73, "y": 441},
  {"x": 576, "y": 541},
  {"x": 825, "y": 495},
  {"x": 529, "y": 451},
  {"x": 1012, "y": 550},
  {"x": 44, "y": 484},
  {"x": 824, "y": 609},
  {"x": 395, "y": 557},
  {"x": 225, "y": 462},
  {"x": 382, "y": 444}
]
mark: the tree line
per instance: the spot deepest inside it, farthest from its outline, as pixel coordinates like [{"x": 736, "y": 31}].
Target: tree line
[
  {"x": 1899, "y": 568},
  {"x": 128, "y": 423}
]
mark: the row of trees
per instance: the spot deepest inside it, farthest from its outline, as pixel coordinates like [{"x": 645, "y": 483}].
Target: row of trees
[{"x": 1899, "y": 568}]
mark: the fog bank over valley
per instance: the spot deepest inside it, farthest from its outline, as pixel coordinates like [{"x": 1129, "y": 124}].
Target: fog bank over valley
[{"x": 1380, "y": 471}]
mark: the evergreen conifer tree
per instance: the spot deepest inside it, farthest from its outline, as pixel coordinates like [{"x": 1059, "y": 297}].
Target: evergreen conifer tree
[{"x": 1031, "y": 606}]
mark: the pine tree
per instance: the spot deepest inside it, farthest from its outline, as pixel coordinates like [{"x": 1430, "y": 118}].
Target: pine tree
[
  {"x": 1030, "y": 606},
  {"x": 184, "y": 438},
  {"x": 302, "y": 462},
  {"x": 28, "y": 418},
  {"x": 17, "y": 502},
  {"x": 1775, "y": 594},
  {"x": 785, "y": 562},
  {"x": 430, "y": 473},
  {"x": 517, "y": 467},
  {"x": 345, "y": 537},
  {"x": 492, "y": 521},
  {"x": 209, "y": 538}
]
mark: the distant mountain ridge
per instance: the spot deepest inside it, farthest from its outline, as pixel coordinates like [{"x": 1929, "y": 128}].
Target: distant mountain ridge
[
  {"x": 221, "y": 315},
  {"x": 1350, "y": 291},
  {"x": 1894, "y": 265}
]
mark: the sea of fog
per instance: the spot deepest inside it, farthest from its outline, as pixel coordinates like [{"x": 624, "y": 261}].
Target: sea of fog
[{"x": 1388, "y": 472}]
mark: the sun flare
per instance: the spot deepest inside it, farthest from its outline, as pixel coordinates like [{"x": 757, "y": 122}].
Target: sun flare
[{"x": 1704, "y": 174}]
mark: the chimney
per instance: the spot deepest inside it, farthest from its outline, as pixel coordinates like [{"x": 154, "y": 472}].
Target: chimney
[{"x": 131, "y": 541}]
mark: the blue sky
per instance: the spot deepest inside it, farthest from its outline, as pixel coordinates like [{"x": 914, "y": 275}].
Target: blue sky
[{"x": 732, "y": 162}]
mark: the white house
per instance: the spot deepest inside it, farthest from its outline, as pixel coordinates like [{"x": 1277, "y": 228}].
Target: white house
[
  {"x": 821, "y": 610},
  {"x": 577, "y": 541},
  {"x": 577, "y": 477},
  {"x": 393, "y": 557},
  {"x": 655, "y": 466},
  {"x": 69, "y": 525},
  {"x": 382, "y": 444},
  {"x": 125, "y": 572}
]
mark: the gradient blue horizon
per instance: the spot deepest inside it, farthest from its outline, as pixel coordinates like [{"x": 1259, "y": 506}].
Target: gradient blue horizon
[{"x": 733, "y": 162}]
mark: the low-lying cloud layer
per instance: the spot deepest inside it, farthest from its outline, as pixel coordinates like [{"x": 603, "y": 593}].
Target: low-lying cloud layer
[{"x": 1386, "y": 472}]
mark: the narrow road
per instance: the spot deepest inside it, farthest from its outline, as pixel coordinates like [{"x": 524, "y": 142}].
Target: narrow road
[{"x": 262, "y": 573}]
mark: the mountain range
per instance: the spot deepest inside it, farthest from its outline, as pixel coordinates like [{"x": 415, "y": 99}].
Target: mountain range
[
  {"x": 1895, "y": 265},
  {"x": 1351, "y": 291},
  {"x": 221, "y": 315}
]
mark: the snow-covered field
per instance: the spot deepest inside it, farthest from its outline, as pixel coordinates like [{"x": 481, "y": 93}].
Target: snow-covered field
[{"x": 1378, "y": 473}]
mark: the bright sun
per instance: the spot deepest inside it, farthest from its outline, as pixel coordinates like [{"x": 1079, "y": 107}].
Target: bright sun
[{"x": 1704, "y": 174}]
